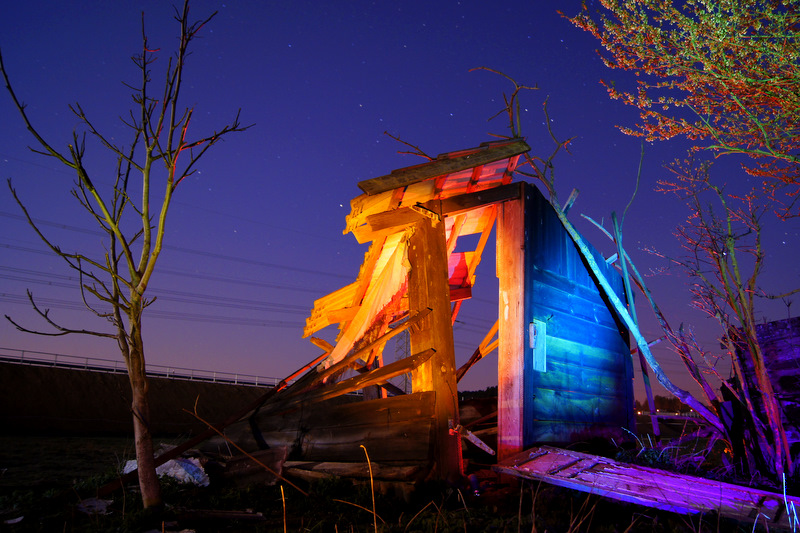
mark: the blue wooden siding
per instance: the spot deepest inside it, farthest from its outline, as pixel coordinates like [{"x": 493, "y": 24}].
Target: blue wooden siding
[{"x": 587, "y": 388}]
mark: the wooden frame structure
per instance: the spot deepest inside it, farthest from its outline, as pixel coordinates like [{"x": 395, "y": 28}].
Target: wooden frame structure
[
  {"x": 414, "y": 278},
  {"x": 413, "y": 218}
]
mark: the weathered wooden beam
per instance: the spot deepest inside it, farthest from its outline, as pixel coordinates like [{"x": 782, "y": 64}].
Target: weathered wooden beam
[
  {"x": 406, "y": 176},
  {"x": 395, "y": 430},
  {"x": 379, "y": 225},
  {"x": 511, "y": 329},
  {"x": 396, "y": 219},
  {"x": 390, "y": 388},
  {"x": 428, "y": 288},
  {"x": 469, "y": 201}
]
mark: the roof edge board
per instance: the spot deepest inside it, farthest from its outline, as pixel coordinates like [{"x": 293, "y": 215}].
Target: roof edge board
[{"x": 486, "y": 153}]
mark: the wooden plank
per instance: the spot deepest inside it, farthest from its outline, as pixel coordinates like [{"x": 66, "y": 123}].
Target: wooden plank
[
  {"x": 343, "y": 414},
  {"x": 467, "y": 202},
  {"x": 372, "y": 377},
  {"x": 511, "y": 331},
  {"x": 485, "y": 347},
  {"x": 393, "y": 220},
  {"x": 406, "y": 176},
  {"x": 576, "y": 356},
  {"x": 390, "y": 388},
  {"x": 381, "y": 223},
  {"x": 323, "y": 307},
  {"x": 649, "y": 486},
  {"x": 356, "y": 470},
  {"x": 575, "y": 406}
]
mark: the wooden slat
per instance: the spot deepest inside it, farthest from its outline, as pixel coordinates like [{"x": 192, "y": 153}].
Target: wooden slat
[
  {"x": 409, "y": 175},
  {"x": 649, "y": 486}
]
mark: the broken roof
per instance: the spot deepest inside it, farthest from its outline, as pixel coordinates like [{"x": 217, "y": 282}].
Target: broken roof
[{"x": 462, "y": 188}]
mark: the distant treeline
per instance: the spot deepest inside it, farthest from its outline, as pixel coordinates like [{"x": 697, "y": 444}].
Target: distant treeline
[
  {"x": 668, "y": 404},
  {"x": 488, "y": 392}
]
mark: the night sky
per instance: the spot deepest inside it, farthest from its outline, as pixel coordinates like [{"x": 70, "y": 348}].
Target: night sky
[{"x": 255, "y": 236}]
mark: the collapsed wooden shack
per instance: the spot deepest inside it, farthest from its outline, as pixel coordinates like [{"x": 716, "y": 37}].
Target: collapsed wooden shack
[
  {"x": 780, "y": 344},
  {"x": 564, "y": 360}
]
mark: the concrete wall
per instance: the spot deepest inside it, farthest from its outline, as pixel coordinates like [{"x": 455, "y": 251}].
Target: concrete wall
[{"x": 54, "y": 400}]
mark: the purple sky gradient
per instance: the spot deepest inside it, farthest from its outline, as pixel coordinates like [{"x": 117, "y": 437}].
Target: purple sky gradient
[{"x": 255, "y": 236}]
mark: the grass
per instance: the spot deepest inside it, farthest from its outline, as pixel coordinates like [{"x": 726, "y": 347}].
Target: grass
[{"x": 46, "y": 477}]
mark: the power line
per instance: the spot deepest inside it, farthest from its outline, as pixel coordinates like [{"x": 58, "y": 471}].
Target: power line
[
  {"x": 166, "y": 315},
  {"x": 184, "y": 274},
  {"x": 181, "y": 249},
  {"x": 176, "y": 296}
]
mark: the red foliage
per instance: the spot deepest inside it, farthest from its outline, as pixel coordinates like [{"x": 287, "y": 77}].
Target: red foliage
[{"x": 725, "y": 74}]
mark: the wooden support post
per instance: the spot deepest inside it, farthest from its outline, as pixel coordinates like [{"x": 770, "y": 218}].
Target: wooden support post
[
  {"x": 511, "y": 330},
  {"x": 428, "y": 288}
]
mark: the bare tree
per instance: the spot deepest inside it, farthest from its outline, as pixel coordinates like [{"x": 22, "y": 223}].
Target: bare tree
[
  {"x": 724, "y": 258},
  {"x": 114, "y": 280}
]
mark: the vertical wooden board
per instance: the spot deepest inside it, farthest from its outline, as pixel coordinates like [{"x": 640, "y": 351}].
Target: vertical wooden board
[
  {"x": 511, "y": 337},
  {"x": 587, "y": 385},
  {"x": 428, "y": 288}
]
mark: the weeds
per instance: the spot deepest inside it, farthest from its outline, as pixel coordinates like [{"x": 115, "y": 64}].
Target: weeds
[{"x": 336, "y": 504}]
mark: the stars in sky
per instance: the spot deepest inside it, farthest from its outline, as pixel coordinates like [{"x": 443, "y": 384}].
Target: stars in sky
[{"x": 262, "y": 219}]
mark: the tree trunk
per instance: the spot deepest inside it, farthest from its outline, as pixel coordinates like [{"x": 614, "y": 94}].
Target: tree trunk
[
  {"x": 148, "y": 480},
  {"x": 143, "y": 439}
]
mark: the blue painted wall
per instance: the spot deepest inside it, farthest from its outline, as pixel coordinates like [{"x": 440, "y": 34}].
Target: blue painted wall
[{"x": 586, "y": 388}]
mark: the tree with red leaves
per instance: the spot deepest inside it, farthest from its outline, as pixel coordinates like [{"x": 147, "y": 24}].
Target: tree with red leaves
[{"x": 725, "y": 74}]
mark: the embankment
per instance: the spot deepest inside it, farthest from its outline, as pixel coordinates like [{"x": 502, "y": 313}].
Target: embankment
[{"x": 36, "y": 399}]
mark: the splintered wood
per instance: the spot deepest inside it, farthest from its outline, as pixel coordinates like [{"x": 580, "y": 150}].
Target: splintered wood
[{"x": 412, "y": 273}]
